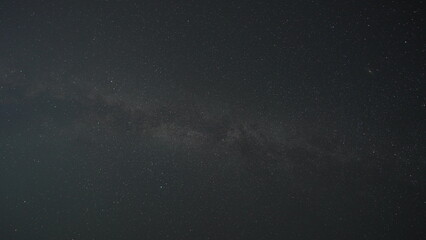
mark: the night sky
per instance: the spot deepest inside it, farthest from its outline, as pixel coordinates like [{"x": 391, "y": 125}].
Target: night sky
[{"x": 212, "y": 120}]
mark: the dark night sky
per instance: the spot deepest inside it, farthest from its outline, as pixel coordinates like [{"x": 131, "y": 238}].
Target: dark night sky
[{"x": 212, "y": 120}]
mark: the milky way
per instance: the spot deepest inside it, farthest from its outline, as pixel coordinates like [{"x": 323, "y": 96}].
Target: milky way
[{"x": 268, "y": 145}]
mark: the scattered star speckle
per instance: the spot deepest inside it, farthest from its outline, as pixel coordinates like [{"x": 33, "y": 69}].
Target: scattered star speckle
[{"x": 215, "y": 120}]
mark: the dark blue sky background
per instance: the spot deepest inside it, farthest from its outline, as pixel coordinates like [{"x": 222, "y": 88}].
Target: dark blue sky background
[{"x": 220, "y": 120}]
